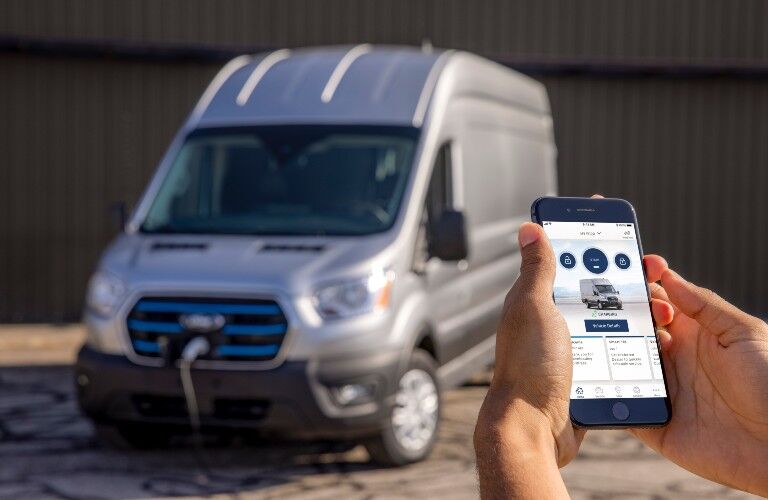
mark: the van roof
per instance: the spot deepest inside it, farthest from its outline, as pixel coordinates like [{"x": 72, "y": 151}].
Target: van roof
[{"x": 362, "y": 84}]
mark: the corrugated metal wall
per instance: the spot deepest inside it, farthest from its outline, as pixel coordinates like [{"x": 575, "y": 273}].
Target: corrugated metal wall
[
  {"x": 607, "y": 29},
  {"x": 77, "y": 136},
  {"x": 664, "y": 103}
]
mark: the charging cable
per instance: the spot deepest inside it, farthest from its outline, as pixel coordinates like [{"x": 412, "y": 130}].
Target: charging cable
[
  {"x": 196, "y": 347},
  {"x": 199, "y": 346}
]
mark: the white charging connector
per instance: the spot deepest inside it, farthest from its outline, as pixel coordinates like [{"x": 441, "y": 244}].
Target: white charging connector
[{"x": 195, "y": 348}]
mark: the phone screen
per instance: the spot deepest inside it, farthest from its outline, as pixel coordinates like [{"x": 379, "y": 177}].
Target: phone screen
[{"x": 600, "y": 290}]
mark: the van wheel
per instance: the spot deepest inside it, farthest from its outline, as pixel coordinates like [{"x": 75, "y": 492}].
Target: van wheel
[
  {"x": 129, "y": 436},
  {"x": 599, "y": 305},
  {"x": 411, "y": 430}
]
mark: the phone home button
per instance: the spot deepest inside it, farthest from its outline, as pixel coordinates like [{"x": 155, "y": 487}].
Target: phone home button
[{"x": 620, "y": 411}]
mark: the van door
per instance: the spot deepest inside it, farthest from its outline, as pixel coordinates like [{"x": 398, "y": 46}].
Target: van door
[{"x": 449, "y": 292}]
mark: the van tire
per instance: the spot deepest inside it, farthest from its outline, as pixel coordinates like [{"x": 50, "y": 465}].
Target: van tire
[{"x": 385, "y": 448}]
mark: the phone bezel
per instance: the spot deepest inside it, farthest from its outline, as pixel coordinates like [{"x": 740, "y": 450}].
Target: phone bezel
[{"x": 643, "y": 412}]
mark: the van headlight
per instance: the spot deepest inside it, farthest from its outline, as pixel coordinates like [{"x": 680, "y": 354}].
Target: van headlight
[
  {"x": 354, "y": 297},
  {"x": 105, "y": 293}
]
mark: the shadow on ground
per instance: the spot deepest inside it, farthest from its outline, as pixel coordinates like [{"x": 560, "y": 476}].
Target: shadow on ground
[{"x": 49, "y": 451}]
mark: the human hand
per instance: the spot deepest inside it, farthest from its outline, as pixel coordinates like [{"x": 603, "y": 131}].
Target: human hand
[
  {"x": 533, "y": 350},
  {"x": 524, "y": 431},
  {"x": 716, "y": 363}
]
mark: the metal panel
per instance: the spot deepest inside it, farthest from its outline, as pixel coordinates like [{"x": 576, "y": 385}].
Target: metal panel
[
  {"x": 84, "y": 129},
  {"x": 382, "y": 86},
  {"x": 690, "y": 155},
  {"x": 76, "y": 136},
  {"x": 681, "y": 31}
]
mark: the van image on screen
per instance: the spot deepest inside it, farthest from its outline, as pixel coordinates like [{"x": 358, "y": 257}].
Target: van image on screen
[
  {"x": 599, "y": 293},
  {"x": 328, "y": 240}
]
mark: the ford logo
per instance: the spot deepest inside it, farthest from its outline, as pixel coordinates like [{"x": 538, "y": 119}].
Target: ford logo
[{"x": 202, "y": 323}]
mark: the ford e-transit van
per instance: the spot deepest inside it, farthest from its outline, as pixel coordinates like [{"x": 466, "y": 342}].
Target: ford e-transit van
[
  {"x": 599, "y": 293},
  {"x": 327, "y": 243}
]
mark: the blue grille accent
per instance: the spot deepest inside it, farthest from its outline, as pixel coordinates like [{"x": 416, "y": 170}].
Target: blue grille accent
[
  {"x": 146, "y": 346},
  {"x": 154, "y": 326},
  {"x": 248, "y": 350},
  {"x": 202, "y": 308},
  {"x": 253, "y": 330}
]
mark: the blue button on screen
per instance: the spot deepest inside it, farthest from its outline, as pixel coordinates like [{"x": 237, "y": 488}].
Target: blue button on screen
[
  {"x": 595, "y": 261},
  {"x": 622, "y": 261},
  {"x": 567, "y": 260},
  {"x": 606, "y": 325}
]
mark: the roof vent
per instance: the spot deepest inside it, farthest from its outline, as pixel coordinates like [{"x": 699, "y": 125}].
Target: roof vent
[
  {"x": 275, "y": 247},
  {"x": 178, "y": 245}
]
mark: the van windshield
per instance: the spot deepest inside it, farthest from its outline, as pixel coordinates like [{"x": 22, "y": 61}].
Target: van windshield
[
  {"x": 605, "y": 289},
  {"x": 285, "y": 180}
]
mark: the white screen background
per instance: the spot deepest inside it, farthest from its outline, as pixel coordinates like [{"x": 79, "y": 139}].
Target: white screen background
[{"x": 623, "y": 362}]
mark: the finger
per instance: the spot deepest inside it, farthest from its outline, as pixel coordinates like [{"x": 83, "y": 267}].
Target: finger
[
  {"x": 662, "y": 312},
  {"x": 537, "y": 268},
  {"x": 658, "y": 292},
  {"x": 655, "y": 265},
  {"x": 702, "y": 305},
  {"x": 597, "y": 196},
  {"x": 665, "y": 339}
]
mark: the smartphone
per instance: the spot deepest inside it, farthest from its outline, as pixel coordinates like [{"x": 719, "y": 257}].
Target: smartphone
[{"x": 600, "y": 288}]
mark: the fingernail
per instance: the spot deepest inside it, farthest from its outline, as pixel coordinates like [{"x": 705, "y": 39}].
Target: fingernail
[{"x": 528, "y": 234}]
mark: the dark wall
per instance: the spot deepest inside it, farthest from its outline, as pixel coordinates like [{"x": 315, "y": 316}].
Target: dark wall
[
  {"x": 664, "y": 103},
  {"x": 692, "y": 157},
  {"x": 686, "y": 31},
  {"x": 77, "y": 135}
]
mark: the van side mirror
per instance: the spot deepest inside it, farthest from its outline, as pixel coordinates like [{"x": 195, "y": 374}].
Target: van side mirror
[
  {"x": 594, "y": 292},
  {"x": 448, "y": 239},
  {"x": 119, "y": 211}
]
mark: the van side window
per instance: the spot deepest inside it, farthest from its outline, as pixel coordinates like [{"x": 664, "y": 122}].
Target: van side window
[
  {"x": 439, "y": 197},
  {"x": 440, "y": 194}
]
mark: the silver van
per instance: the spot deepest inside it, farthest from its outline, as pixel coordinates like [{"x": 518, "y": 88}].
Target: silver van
[
  {"x": 599, "y": 293},
  {"x": 327, "y": 244}
]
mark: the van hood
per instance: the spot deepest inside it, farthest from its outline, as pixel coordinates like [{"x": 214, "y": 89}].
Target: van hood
[{"x": 291, "y": 265}]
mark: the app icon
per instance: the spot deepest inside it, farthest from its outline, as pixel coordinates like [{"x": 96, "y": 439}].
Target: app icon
[
  {"x": 622, "y": 261},
  {"x": 636, "y": 390},
  {"x": 567, "y": 260},
  {"x": 599, "y": 391},
  {"x": 579, "y": 391},
  {"x": 595, "y": 261}
]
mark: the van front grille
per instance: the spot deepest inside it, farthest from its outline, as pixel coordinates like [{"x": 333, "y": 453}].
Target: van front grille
[{"x": 237, "y": 329}]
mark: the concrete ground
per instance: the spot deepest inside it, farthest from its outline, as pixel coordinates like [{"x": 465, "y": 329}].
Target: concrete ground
[{"x": 48, "y": 450}]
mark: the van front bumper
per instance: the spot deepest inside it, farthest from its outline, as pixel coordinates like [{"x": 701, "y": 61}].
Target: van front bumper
[{"x": 293, "y": 400}]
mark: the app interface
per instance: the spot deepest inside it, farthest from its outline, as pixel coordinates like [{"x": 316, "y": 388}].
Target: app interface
[{"x": 600, "y": 289}]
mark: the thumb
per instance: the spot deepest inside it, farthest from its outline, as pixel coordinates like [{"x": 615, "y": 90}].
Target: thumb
[{"x": 537, "y": 269}]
